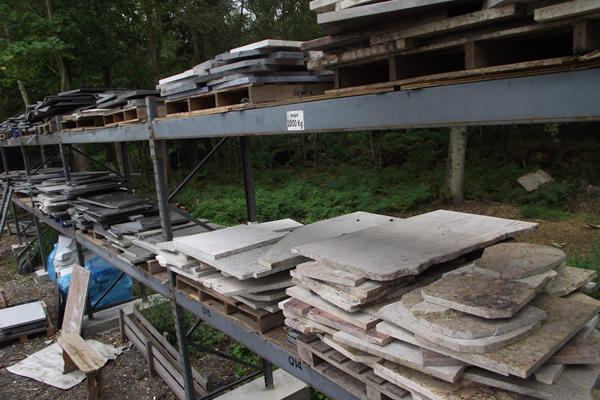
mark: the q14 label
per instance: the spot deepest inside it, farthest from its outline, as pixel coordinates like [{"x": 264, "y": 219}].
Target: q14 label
[{"x": 295, "y": 120}]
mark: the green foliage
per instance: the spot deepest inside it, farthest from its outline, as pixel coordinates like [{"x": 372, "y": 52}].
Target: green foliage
[
  {"x": 243, "y": 353},
  {"x": 316, "y": 395},
  {"x": 587, "y": 261},
  {"x": 541, "y": 212}
]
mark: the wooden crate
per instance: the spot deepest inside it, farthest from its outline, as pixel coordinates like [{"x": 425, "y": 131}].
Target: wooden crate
[{"x": 256, "y": 320}]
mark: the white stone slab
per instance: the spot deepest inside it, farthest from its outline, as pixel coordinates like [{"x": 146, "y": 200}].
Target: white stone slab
[
  {"x": 29, "y": 313},
  {"x": 281, "y": 225},
  {"x": 410, "y": 246},
  {"x": 225, "y": 242},
  {"x": 534, "y": 180},
  {"x": 272, "y": 43},
  {"x": 322, "y": 272},
  {"x": 281, "y": 254},
  {"x": 232, "y": 286}
]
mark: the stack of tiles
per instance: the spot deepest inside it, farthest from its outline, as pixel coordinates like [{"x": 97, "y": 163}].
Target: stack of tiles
[
  {"x": 265, "y": 71},
  {"x": 490, "y": 328}
]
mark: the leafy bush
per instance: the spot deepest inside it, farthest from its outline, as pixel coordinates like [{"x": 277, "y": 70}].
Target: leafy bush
[
  {"x": 588, "y": 261},
  {"x": 541, "y": 212}
]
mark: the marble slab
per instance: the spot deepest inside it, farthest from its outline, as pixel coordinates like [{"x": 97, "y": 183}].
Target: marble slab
[
  {"x": 410, "y": 246},
  {"x": 479, "y": 295},
  {"x": 519, "y": 260},
  {"x": 225, "y": 242},
  {"x": 281, "y": 253}
]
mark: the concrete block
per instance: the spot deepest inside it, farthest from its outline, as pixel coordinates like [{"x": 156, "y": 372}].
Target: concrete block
[
  {"x": 41, "y": 276},
  {"x": 285, "y": 387}
]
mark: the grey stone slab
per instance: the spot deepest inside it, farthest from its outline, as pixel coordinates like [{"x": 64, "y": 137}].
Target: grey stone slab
[
  {"x": 570, "y": 280},
  {"x": 480, "y": 295},
  {"x": 549, "y": 374},
  {"x": 540, "y": 281},
  {"x": 24, "y": 314},
  {"x": 457, "y": 324},
  {"x": 519, "y": 260},
  {"x": 232, "y": 286},
  {"x": 534, "y": 180},
  {"x": 225, "y": 242},
  {"x": 240, "y": 65},
  {"x": 281, "y": 253},
  {"x": 410, "y": 246},
  {"x": 271, "y": 295},
  {"x": 352, "y": 353},
  {"x": 322, "y": 272},
  {"x": 577, "y": 351},
  {"x": 398, "y": 314},
  {"x": 285, "y": 387},
  {"x": 360, "y": 319},
  {"x": 565, "y": 319},
  {"x": 401, "y": 353},
  {"x": 435, "y": 389},
  {"x": 435, "y": 359}
]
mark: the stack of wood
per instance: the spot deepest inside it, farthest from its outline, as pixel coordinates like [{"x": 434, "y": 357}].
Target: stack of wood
[
  {"x": 420, "y": 43},
  {"x": 265, "y": 71},
  {"x": 495, "y": 327}
]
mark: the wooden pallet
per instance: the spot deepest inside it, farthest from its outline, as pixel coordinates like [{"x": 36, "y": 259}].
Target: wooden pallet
[
  {"x": 252, "y": 93},
  {"x": 92, "y": 121},
  {"x": 256, "y": 320},
  {"x": 46, "y": 128},
  {"x": 126, "y": 116},
  {"x": 49, "y": 330},
  {"x": 357, "y": 378},
  {"x": 483, "y": 39}
]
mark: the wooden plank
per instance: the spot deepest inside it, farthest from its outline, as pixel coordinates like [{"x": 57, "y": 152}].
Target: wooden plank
[
  {"x": 566, "y": 9},
  {"x": 454, "y": 24},
  {"x": 410, "y": 246},
  {"x": 76, "y": 300},
  {"x": 586, "y": 36},
  {"x": 86, "y": 358}
]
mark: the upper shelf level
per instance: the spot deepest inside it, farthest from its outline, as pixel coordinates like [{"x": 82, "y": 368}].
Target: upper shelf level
[{"x": 557, "y": 97}]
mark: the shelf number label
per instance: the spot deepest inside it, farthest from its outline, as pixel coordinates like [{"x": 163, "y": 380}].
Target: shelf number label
[
  {"x": 206, "y": 311},
  {"x": 295, "y": 120},
  {"x": 294, "y": 362}
]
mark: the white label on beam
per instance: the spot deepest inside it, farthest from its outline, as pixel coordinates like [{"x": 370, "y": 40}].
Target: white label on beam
[{"x": 295, "y": 120}]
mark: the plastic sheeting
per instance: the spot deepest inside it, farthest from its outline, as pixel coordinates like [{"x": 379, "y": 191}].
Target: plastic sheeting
[{"x": 47, "y": 365}]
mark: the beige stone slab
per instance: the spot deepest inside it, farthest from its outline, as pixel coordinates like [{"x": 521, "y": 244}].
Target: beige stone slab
[
  {"x": 368, "y": 335},
  {"x": 315, "y": 270},
  {"x": 317, "y": 327},
  {"x": 589, "y": 328},
  {"x": 534, "y": 180},
  {"x": 583, "y": 298},
  {"x": 519, "y": 260},
  {"x": 352, "y": 353},
  {"x": 480, "y": 295},
  {"x": 270, "y": 295},
  {"x": 435, "y": 389},
  {"x": 423, "y": 334},
  {"x": 575, "y": 383},
  {"x": 225, "y": 242},
  {"x": 410, "y": 246},
  {"x": 521, "y": 359},
  {"x": 457, "y": 324},
  {"x": 549, "y": 374},
  {"x": 232, "y": 286},
  {"x": 360, "y": 319},
  {"x": 281, "y": 255},
  {"x": 404, "y": 354},
  {"x": 570, "y": 280}
]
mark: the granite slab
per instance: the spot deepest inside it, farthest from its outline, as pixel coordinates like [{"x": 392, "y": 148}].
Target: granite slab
[
  {"x": 281, "y": 254},
  {"x": 521, "y": 359},
  {"x": 410, "y": 246},
  {"x": 479, "y": 295},
  {"x": 436, "y": 389},
  {"x": 230, "y": 286},
  {"x": 519, "y": 260},
  {"x": 225, "y": 242},
  {"x": 457, "y": 324}
]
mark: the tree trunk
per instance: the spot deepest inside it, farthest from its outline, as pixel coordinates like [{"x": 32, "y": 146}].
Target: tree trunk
[
  {"x": 63, "y": 66},
  {"x": 455, "y": 169},
  {"x": 152, "y": 41}
]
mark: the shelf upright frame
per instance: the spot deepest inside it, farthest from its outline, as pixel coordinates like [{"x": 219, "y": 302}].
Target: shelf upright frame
[
  {"x": 156, "y": 153},
  {"x": 12, "y": 204}
]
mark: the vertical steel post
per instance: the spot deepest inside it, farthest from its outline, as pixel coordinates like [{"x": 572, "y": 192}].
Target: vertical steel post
[
  {"x": 12, "y": 205},
  {"x": 156, "y": 152},
  {"x": 126, "y": 166},
  {"x": 38, "y": 228},
  {"x": 248, "y": 179},
  {"x": 268, "y": 371}
]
